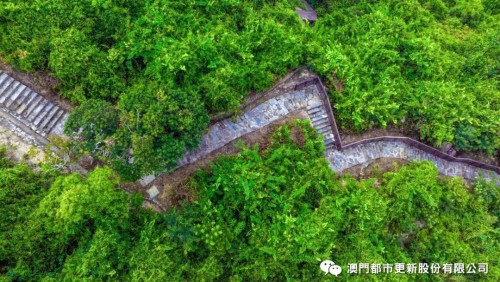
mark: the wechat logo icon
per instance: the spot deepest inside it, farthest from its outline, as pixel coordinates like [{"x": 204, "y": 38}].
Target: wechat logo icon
[{"x": 328, "y": 266}]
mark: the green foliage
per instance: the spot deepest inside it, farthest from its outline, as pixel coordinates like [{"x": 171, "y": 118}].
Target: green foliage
[
  {"x": 428, "y": 65},
  {"x": 271, "y": 214},
  {"x": 21, "y": 189},
  {"x": 76, "y": 229},
  {"x": 91, "y": 124},
  {"x": 177, "y": 75},
  {"x": 275, "y": 215},
  {"x": 87, "y": 70},
  {"x": 147, "y": 75},
  {"x": 255, "y": 207}
]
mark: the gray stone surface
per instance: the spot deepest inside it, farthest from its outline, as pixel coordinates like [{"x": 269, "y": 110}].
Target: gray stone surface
[
  {"x": 225, "y": 131},
  {"x": 366, "y": 153},
  {"x": 147, "y": 179},
  {"x": 308, "y": 14},
  {"x": 309, "y": 100},
  {"x": 23, "y": 105},
  {"x": 153, "y": 192},
  {"x": 36, "y": 116}
]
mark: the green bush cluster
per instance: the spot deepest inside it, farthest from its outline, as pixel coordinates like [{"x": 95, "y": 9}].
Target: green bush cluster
[
  {"x": 270, "y": 215},
  {"x": 429, "y": 65}
]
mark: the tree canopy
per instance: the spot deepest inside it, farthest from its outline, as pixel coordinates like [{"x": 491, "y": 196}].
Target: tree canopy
[
  {"x": 271, "y": 214},
  {"x": 431, "y": 66},
  {"x": 147, "y": 75}
]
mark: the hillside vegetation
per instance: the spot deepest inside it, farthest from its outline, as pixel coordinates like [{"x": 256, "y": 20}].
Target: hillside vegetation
[
  {"x": 268, "y": 216},
  {"x": 162, "y": 67}
]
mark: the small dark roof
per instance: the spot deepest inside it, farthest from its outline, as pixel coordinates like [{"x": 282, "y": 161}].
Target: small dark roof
[{"x": 309, "y": 14}]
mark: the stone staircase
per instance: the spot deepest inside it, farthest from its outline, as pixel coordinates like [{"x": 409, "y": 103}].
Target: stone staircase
[
  {"x": 309, "y": 99},
  {"x": 320, "y": 121},
  {"x": 30, "y": 108}
]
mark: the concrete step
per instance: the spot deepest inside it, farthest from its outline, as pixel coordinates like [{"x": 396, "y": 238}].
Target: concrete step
[
  {"x": 319, "y": 111},
  {"x": 326, "y": 133},
  {"x": 20, "y": 89},
  {"x": 57, "y": 116},
  {"x": 314, "y": 110},
  {"x": 37, "y": 110},
  {"x": 320, "y": 123},
  {"x": 41, "y": 116},
  {"x": 6, "y": 89},
  {"x": 57, "y": 129},
  {"x": 48, "y": 117},
  {"x": 9, "y": 92},
  {"x": 322, "y": 129},
  {"x": 20, "y": 99},
  {"x": 27, "y": 107},
  {"x": 331, "y": 146},
  {"x": 319, "y": 117},
  {"x": 4, "y": 78},
  {"x": 329, "y": 141},
  {"x": 329, "y": 135}
]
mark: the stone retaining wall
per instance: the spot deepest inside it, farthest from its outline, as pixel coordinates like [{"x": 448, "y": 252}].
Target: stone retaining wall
[
  {"x": 366, "y": 151},
  {"x": 305, "y": 98}
]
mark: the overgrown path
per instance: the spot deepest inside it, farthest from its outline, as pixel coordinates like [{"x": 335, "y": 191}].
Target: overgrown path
[
  {"x": 300, "y": 93},
  {"x": 303, "y": 92}
]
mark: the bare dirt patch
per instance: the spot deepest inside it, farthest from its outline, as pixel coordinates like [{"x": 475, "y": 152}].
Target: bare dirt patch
[
  {"x": 298, "y": 137},
  {"x": 19, "y": 149},
  {"x": 40, "y": 82}
]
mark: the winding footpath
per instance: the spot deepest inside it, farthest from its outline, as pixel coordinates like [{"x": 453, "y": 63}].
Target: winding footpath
[
  {"x": 305, "y": 94},
  {"x": 299, "y": 93}
]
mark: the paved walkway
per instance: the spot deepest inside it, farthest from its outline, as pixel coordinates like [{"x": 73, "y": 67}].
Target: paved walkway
[
  {"x": 39, "y": 118},
  {"x": 262, "y": 115},
  {"x": 367, "y": 152},
  {"x": 29, "y": 111},
  {"x": 309, "y": 96}
]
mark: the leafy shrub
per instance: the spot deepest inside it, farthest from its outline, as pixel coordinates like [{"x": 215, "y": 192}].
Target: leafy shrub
[
  {"x": 427, "y": 65},
  {"x": 273, "y": 214},
  {"x": 91, "y": 125}
]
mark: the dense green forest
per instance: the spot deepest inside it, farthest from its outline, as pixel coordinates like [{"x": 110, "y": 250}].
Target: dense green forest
[
  {"x": 147, "y": 76},
  {"x": 270, "y": 214},
  {"x": 163, "y": 67}
]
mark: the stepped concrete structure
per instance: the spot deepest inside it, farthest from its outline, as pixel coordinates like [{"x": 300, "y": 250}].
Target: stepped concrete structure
[
  {"x": 303, "y": 92},
  {"x": 304, "y": 100},
  {"x": 300, "y": 93},
  {"x": 29, "y": 111}
]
